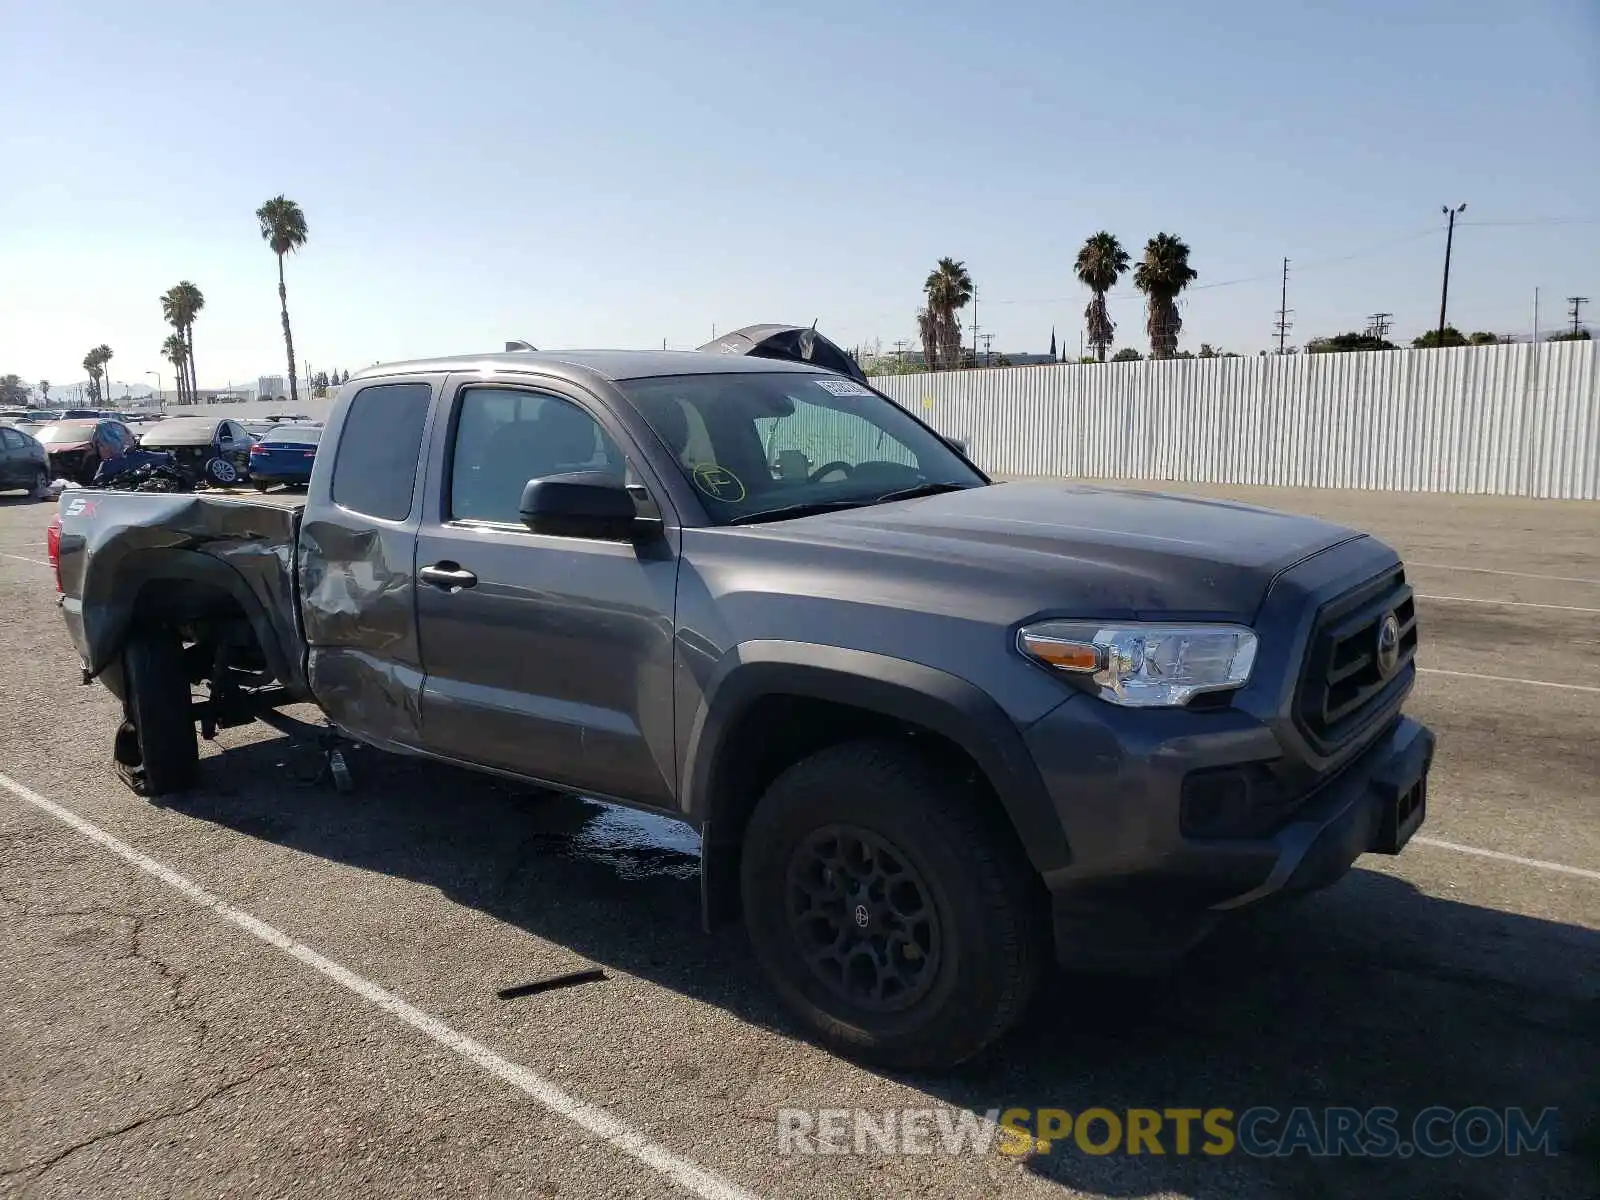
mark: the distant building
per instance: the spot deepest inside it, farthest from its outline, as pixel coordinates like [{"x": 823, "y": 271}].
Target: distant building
[{"x": 271, "y": 387}]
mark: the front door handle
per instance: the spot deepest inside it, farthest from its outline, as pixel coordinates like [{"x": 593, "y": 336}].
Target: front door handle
[{"x": 448, "y": 576}]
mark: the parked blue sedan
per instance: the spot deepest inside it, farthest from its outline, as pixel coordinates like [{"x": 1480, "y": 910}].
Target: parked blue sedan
[{"x": 284, "y": 455}]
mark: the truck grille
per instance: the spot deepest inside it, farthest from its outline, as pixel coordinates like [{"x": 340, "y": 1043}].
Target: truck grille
[{"x": 1348, "y": 678}]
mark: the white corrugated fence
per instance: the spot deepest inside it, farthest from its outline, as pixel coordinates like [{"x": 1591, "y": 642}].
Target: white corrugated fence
[{"x": 1519, "y": 420}]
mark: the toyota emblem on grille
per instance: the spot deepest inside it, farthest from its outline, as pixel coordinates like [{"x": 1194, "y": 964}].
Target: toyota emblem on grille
[{"x": 1388, "y": 649}]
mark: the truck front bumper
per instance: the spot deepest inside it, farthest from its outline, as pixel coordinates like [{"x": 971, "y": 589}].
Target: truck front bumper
[{"x": 1144, "y": 885}]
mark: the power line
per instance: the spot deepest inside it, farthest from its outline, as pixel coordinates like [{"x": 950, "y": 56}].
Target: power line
[
  {"x": 1305, "y": 265},
  {"x": 1129, "y": 294},
  {"x": 1378, "y": 325},
  {"x": 1537, "y": 221},
  {"x": 1577, "y": 303}
]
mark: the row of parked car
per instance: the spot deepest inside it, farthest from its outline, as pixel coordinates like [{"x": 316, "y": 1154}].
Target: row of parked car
[{"x": 209, "y": 450}]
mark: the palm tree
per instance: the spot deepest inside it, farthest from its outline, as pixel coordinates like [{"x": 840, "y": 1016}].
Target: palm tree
[
  {"x": 1161, "y": 275},
  {"x": 192, "y": 301},
  {"x": 1100, "y": 264},
  {"x": 95, "y": 362},
  {"x": 44, "y": 390},
  {"x": 949, "y": 289},
  {"x": 283, "y": 228},
  {"x": 180, "y": 304},
  {"x": 103, "y": 353},
  {"x": 172, "y": 312},
  {"x": 176, "y": 352}
]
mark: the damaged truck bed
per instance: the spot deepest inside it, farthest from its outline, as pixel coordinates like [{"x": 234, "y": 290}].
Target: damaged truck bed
[{"x": 225, "y": 563}]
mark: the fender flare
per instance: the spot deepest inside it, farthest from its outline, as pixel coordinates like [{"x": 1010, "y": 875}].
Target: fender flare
[
  {"x": 906, "y": 691},
  {"x": 108, "y": 605}
]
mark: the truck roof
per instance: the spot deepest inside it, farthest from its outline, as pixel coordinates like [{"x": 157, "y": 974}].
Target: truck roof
[{"x": 612, "y": 365}]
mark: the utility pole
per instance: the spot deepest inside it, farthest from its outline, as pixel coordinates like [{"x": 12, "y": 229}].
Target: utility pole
[
  {"x": 1449, "y": 239},
  {"x": 974, "y": 324},
  {"x": 1378, "y": 325},
  {"x": 988, "y": 341},
  {"x": 1284, "y": 311},
  {"x": 899, "y": 354},
  {"x": 1577, "y": 303}
]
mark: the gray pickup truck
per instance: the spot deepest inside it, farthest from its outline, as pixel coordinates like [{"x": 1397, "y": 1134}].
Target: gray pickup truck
[{"x": 934, "y": 731}]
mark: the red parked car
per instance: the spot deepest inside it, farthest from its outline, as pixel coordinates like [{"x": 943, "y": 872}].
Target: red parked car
[{"x": 71, "y": 455}]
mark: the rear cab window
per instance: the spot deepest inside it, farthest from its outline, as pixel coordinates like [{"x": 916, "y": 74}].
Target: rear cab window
[{"x": 380, "y": 448}]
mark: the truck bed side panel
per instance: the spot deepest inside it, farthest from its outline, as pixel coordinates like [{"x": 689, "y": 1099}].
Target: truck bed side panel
[{"x": 113, "y": 543}]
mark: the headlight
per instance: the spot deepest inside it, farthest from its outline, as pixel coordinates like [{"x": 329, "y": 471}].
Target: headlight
[{"x": 1145, "y": 666}]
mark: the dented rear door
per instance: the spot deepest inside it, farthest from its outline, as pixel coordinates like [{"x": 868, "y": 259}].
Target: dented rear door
[{"x": 357, "y": 548}]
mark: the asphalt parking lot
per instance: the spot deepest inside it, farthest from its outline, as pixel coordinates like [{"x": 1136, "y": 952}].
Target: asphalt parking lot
[{"x": 307, "y": 1003}]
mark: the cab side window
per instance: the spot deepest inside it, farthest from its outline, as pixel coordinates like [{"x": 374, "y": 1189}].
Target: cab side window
[
  {"x": 505, "y": 437},
  {"x": 380, "y": 444}
]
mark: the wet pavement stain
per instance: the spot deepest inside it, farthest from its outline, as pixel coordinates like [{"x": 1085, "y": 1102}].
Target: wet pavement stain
[{"x": 637, "y": 845}]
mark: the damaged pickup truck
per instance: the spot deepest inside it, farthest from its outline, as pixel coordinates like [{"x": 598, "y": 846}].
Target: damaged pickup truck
[{"x": 933, "y": 731}]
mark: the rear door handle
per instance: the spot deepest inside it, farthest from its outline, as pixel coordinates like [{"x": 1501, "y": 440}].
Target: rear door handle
[{"x": 448, "y": 576}]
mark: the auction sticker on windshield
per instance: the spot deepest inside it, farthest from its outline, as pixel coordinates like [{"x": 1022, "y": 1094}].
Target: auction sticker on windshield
[
  {"x": 843, "y": 387},
  {"x": 719, "y": 483}
]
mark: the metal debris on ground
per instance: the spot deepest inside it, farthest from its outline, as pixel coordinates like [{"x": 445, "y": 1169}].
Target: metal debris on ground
[
  {"x": 570, "y": 979},
  {"x": 340, "y": 770}
]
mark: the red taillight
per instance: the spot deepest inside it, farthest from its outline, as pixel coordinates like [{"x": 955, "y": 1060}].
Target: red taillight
[
  {"x": 255, "y": 450},
  {"x": 52, "y": 541}
]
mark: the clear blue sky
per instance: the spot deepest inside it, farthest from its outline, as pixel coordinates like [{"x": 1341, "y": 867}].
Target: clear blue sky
[{"x": 608, "y": 174}]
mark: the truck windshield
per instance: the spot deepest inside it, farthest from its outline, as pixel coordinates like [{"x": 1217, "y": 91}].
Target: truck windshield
[{"x": 770, "y": 445}]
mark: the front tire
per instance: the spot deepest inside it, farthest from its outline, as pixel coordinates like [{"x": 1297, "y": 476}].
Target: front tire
[
  {"x": 39, "y": 489},
  {"x": 892, "y": 914},
  {"x": 159, "y": 708}
]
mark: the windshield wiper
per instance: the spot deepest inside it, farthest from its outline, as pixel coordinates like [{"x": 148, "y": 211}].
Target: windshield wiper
[
  {"x": 924, "y": 489},
  {"x": 811, "y": 508},
  {"x": 797, "y": 510}
]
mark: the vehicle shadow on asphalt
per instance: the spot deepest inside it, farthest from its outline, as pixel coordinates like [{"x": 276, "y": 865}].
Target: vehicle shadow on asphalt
[{"x": 1370, "y": 994}]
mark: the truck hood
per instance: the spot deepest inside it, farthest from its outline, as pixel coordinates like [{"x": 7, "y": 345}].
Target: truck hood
[{"x": 1105, "y": 552}]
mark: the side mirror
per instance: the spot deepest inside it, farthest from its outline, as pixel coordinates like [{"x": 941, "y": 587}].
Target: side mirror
[
  {"x": 584, "y": 504},
  {"x": 959, "y": 445}
]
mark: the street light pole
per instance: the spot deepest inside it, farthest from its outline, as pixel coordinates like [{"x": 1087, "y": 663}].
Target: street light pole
[
  {"x": 161, "y": 401},
  {"x": 1449, "y": 238}
]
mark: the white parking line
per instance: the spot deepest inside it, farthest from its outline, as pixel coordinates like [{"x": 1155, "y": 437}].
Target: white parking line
[
  {"x": 1507, "y": 603},
  {"x": 1493, "y": 571},
  {"x": 1581, "y": 872},
  {"x": 1570, "y": 687},
  {"x": 688, "y": 1175},
  {"x": 38, "y": 562}
]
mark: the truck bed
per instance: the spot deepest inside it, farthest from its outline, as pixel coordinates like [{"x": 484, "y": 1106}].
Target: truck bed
[{"x": 243, "y": 542}]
